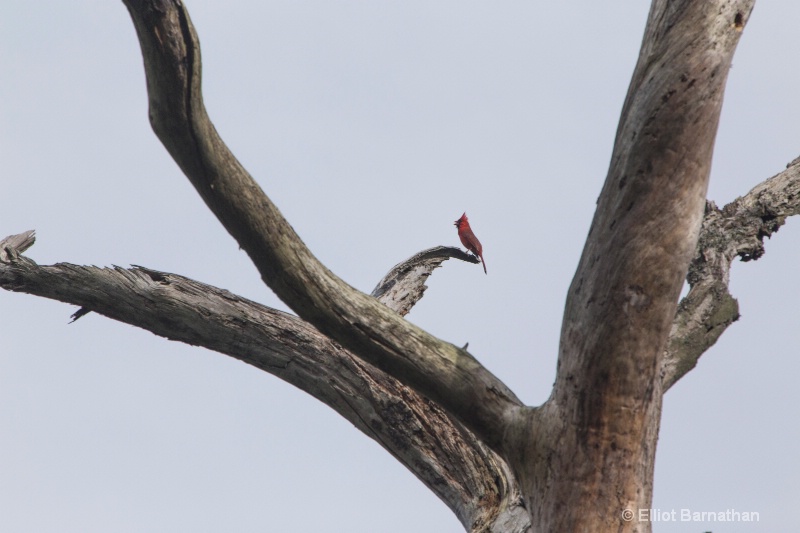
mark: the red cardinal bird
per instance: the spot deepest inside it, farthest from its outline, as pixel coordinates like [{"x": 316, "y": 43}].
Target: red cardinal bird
[{"x": 468, "y": 239}]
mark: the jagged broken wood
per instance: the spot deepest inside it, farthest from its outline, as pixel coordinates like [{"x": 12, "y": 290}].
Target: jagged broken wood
[
  {"x": 591, "y": 446},
  {"x": 402, "y": 287},
  {"x": 188, "y": 311},
  {"x": 736, "y": 230},
  {"x": 475, "y": 483},
  {"x": 12, "y": 246},
  {"x": 435, "y": 368}
]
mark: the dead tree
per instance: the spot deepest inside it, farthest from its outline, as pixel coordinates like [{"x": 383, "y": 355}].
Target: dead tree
[{"x": 585, "y": 457}]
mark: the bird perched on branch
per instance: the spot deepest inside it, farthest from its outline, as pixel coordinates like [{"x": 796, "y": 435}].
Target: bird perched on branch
[{"x": 469, "y": 240}]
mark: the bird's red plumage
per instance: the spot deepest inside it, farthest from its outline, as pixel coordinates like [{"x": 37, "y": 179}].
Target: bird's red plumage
[{"x": 469, "y": 240}]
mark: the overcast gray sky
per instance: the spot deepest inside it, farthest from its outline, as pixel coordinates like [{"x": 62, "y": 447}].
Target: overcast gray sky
[{"x": 373, "y": 126}]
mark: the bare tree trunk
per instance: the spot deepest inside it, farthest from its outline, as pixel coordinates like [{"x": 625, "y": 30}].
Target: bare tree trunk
[
  {"x": 476, "y": 484},
  {"x": 588, "y": 456},
  {"x": 583, "y": 461}
]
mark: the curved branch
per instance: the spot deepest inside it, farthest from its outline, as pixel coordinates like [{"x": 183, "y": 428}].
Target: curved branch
[
  {"x": 437, "y": 369},
  {"x": 12, "y": 246},
  {"x": 403, "y": 286},
  {"x": 471, "y": 479},
  {"x": 736, "y": 230}
]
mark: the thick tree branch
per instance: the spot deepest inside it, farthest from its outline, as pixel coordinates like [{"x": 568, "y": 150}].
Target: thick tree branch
[
  {"x": 471, "y": 479},
  {"x": 588, "y": 452},
  {"x": 736, "y": 230},
  {"x": 644, "y": 234},
  {"x": 606, "y": 401},
  {"x": 437, "y": 369}
]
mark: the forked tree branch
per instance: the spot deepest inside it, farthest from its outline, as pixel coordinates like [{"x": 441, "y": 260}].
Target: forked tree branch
[
  {"x": 478, "y": 487},
  {"x": 606, "y": 402},
  {"x": 437, "y": 369},
  {"x": 614, "y": 362},
  {"x": 736, "y": 230},
  {"x": 471, "y": 479},
  {"x": 644, "y": 234}
]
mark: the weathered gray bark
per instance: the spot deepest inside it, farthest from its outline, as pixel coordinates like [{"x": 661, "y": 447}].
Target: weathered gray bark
[
  {"x": 736, "y": 230},
  {"x": 436, "y": 369},
  {"x": 472, "y": 480},
  {"x": 574, "y": 463},
  {"x": 404, "y": 284},
  {"x": 590, "y": 452}
]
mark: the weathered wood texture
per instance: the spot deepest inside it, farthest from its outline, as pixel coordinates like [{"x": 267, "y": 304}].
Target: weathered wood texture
[
  {"x": 435, "y": 368},
  {"x": 600, "y": 428},
  {"x": 404, "y": 284},
  {"x": 469, "y": 478},
  {"x": 13, "y": 245},
  {"x": 574, "y": 463},
  {"x": 736, "y": 230},
  {"x": 472, "y": 480}
]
